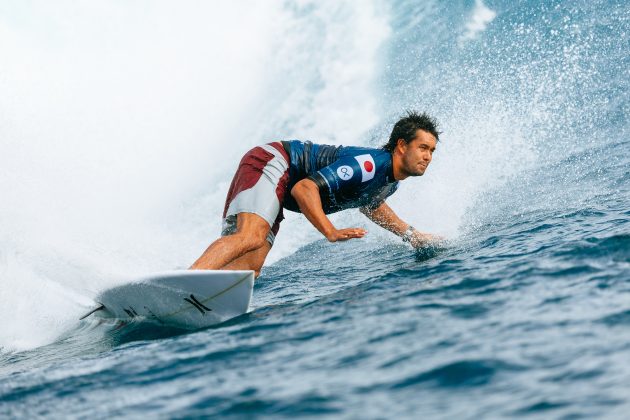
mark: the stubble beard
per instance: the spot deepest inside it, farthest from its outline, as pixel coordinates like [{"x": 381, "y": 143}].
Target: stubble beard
[{"x": 414, "y": 172}]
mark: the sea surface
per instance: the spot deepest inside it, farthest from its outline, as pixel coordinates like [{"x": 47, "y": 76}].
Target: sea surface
[{"x": 121, "y": 125}]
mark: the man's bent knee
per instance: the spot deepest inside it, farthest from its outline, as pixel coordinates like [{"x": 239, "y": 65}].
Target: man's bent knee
[
  {"x": 257, "y": 242},
  {"x": 251, "y": 241}
]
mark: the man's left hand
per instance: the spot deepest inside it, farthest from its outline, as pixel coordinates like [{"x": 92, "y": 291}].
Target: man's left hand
[{"x": 419, "y": 239}]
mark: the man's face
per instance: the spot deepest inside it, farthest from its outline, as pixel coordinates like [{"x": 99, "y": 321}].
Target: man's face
[{"x": 417, "y": 154}]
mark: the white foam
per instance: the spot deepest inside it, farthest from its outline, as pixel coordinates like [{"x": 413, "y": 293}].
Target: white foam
[
  {"x": 121, "y": 127},
  {"x": 111, "y": 117}
]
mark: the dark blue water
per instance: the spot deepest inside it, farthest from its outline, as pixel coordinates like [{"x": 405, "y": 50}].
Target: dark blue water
[{"x": 525, "y": 312}]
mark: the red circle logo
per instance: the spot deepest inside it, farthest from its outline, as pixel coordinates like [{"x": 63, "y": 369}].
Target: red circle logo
[{"x": 369, "y": 166}]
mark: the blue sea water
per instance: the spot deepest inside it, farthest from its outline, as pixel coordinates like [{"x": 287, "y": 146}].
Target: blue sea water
[{"x": 524, "y": 312}]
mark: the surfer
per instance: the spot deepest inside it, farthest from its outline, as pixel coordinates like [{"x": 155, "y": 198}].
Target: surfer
[{"x": 316, "y": 180}]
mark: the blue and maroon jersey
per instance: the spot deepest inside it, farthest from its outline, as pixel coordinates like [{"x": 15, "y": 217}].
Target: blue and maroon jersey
[{"x": 347, "y": 176}]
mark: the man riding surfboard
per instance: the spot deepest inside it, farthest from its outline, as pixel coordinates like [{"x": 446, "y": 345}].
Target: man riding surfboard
[{"x": 317, "y": 180}]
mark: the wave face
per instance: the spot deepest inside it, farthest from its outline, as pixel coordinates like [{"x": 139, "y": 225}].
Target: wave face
[{"x": 121, "y": 126}]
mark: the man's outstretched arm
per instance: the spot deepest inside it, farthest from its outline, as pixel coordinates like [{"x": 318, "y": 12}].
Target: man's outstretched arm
[
  {"x": 385, "y": 217},
  {"x": 306, "y": 193}
]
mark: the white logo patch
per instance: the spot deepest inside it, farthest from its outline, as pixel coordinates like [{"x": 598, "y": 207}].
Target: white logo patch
[
  {"x": 368, "y": 168},
  {"x": 345, "y": 172}
]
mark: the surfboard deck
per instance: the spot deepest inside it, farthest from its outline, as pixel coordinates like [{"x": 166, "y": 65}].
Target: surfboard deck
[{"x": 189, "y": 299}]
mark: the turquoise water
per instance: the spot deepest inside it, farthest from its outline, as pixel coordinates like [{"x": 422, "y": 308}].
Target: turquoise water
[{"x": 525, "y": 311}]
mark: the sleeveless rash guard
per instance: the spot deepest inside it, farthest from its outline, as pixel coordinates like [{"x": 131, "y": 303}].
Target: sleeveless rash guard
[{"x": 347, "y": 176}]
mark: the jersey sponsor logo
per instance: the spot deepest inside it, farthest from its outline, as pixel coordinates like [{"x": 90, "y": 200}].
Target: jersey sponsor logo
[
  {"x": 366, "y": 162},
  {"x": 345, "y": 172}
]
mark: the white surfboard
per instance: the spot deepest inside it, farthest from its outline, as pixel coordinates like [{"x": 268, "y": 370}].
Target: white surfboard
[{"x": 189, "y": 299}]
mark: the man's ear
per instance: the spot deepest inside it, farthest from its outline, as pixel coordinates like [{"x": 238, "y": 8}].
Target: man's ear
[{"x": 401, "y": 145}]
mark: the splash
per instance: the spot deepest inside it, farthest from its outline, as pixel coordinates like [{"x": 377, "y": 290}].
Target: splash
[
  {"x": 515, "y": 100},
  {"x": 479, "y": 20}
]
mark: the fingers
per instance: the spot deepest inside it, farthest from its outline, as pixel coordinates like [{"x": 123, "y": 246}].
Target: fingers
[
  {"x": 346, "y": 234},
  {"x": 350, "y": 233}
]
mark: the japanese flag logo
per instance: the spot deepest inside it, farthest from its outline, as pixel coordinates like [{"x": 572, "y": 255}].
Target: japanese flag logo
[{"x": 366, "y": 162}]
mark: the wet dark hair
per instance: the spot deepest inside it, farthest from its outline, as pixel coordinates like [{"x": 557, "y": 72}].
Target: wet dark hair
[{"x": 407, "y": 126}]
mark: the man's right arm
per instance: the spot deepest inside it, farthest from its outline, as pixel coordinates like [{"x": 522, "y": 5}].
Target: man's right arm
[
  {"x": 385, "y": 217},
  {"x": 306, "y": 194}
]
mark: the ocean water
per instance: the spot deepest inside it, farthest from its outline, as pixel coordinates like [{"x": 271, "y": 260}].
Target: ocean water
[{"x": 121, "y": 125}]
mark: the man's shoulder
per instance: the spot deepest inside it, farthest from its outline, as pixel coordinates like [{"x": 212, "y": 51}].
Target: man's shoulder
[{"x": 378, "y": 157}]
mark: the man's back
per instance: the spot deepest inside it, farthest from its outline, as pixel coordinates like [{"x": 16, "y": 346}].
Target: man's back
[{"x": 348, "y": 176}]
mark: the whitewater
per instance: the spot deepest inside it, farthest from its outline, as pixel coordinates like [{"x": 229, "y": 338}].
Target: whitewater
[{"x": 121, "y": 125}]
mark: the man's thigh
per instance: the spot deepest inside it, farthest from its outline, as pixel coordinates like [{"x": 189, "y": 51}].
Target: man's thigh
[{"x": 258, "y": 187}]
